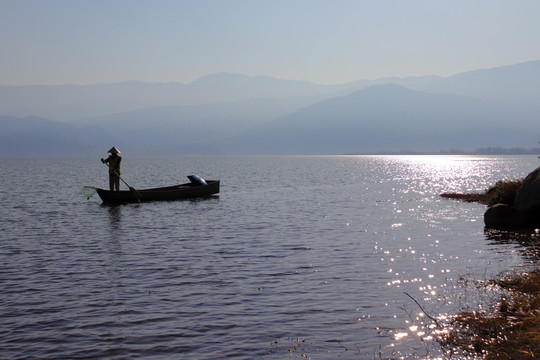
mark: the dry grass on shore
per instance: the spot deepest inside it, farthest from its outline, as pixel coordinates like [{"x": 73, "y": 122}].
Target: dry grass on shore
[
  {"x": 503, "y": 192},
  {"x": 511, "y": 332}
]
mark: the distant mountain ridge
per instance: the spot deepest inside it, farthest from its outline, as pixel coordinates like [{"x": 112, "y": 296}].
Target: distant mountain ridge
[
  {"x": 513, "y": 83},
  {"x": 33, "y": 136},
  {"x": 237, "y": 114},
  {"x": 72, "y": 102},
  {"x": 391, "y": 118}
]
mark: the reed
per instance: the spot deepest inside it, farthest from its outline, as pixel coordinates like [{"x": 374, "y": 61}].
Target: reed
[
  {"x": 511, "y": 331},
  {"x": 503, "y": 192}
]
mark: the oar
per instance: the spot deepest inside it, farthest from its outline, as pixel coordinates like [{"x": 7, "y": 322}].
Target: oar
[{"x": 133, "y": 191}]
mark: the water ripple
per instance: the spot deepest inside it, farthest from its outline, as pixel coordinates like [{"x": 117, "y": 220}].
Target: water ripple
[{"x": 313, "y": 260}]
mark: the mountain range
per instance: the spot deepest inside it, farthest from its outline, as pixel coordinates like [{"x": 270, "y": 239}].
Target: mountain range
[{"x": 237, "y": 114}]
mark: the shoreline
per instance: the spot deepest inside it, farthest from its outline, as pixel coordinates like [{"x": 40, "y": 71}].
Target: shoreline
[{"x": 511, "y": 330}]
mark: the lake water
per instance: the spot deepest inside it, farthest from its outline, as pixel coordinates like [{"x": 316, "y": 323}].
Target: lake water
[{"x": 318, "y": 257}]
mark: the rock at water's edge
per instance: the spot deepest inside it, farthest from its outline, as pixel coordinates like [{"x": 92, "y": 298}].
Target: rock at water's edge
[
  {"x": 501, "y": 216},
  {"x": 528, "y": 195}
]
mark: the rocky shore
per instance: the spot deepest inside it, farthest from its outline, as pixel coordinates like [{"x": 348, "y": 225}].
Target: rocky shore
[{"x": 512, "y": 329}]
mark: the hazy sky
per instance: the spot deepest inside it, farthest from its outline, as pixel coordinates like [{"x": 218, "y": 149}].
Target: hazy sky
[{"x": 324, "y": 41}]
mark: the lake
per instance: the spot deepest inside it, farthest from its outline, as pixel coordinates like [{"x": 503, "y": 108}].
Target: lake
[{"x": 321, "y": 257}]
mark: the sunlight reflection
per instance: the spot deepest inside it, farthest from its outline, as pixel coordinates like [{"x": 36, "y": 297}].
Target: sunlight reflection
[
  {"x": 456, "y": 172},
  {"x": 400, "y": 335}
]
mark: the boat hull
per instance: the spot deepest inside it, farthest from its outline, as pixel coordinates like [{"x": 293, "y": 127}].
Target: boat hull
[{"x": 169, "y": 193}]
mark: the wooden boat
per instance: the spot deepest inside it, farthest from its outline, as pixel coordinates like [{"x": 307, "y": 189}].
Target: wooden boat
[{"x": 196, "y": 188}]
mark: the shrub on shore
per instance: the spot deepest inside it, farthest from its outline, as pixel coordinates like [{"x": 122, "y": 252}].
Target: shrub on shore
[{"x": 503, "y": 192}]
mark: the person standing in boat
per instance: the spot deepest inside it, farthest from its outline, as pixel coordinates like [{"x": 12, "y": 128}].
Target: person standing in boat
[{"x": 114, "y": 161}]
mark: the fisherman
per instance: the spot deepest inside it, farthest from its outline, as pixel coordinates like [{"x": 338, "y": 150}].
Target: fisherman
[{"x": 113, "y": 161}]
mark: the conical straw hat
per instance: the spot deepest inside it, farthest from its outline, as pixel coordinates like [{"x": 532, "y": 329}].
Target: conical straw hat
[{"x": 114, "y": 150}]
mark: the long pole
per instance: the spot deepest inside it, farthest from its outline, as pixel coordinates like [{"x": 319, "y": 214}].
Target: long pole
[{"x": 132, "y": 190}]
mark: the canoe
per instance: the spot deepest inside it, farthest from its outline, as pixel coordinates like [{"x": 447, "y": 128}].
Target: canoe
[{"x": 194, "y": 189}]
